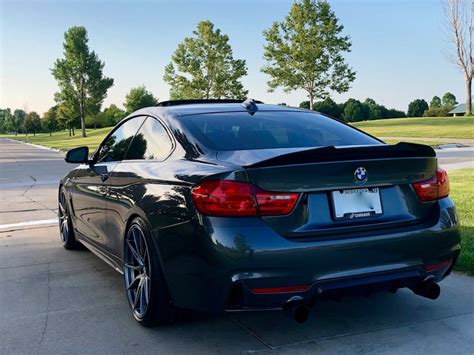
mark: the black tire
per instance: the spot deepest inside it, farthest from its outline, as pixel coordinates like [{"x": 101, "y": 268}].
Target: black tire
[
  {"x": 144, "y": 277},
  {"x": 66, "y": 230}
]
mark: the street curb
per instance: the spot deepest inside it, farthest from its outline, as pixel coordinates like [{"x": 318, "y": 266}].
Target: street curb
[{"x": 37, "y": 145}]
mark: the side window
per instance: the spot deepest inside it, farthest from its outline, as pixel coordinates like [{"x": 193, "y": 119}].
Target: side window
[
  {"x": 116, "y": 145},
  {"x": 151, "y": 142}
]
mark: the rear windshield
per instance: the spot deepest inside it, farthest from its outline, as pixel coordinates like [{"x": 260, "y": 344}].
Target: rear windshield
[{"x": 271, "y": 129}]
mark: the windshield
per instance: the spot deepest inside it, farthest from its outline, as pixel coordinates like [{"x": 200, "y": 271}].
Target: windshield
[{"x": 270, "y": 130}]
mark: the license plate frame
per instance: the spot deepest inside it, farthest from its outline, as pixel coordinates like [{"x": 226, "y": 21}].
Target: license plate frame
[{"x": 355, "y": 204}]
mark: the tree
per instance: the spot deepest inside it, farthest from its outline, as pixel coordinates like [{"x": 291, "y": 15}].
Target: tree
[
  {"x": 449, "y": 101},
  {"x": 17, "y": 120},
  {"x": 67, "y": 118},
  {"x": 5, "y": 120},
  {"x": 32, "y": 122},
  {"x": 435, "y": 102},
  {"x": 139, "y": 98},
  {"x": 50, "y": 119},
  {"x": 306, "y": 52},
  {"x": 203, "y": 66},
  {"x": 328, "y": 107},
  {"x": 374, "y": 110},
  {"x": 83, "y": 87},
  {"x": 458, "y": 15},
  {"x": 114, "y": 114},
  {"x": 417, "y": 107},
  {"x": 354, "y": 111}
]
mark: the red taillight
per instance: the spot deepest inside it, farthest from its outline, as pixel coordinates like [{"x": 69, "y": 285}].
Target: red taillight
[
  {"x": 240, "y": 199},
  {"x": 435, "y": 188},
  {"x": 444, "y": 264}
]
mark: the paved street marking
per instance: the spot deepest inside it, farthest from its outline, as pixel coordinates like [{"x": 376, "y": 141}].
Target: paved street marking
[{"x": 29, "y": 223}]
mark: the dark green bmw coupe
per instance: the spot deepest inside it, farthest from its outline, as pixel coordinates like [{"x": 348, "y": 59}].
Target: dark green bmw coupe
[{"x": 226, "y": 206}]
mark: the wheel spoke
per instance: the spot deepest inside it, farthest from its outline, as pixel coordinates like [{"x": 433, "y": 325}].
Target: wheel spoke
[
  {"x": 136, "y": 255},
  {"x": 137, "y": 238},
  {"x": 138, "y": 295},
  {"x": 135, "y": 283},
  {"x": 143, "y": 298},
  {"x": 133, "y": 267},
  {"x": 147, "y": 288}
]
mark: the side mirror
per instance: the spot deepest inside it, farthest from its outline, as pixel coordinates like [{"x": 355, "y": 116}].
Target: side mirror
[{"x": 78, "y": 155}]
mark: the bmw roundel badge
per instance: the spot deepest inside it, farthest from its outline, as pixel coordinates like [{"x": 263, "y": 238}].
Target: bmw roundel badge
[{"x": 360, "y": 175}]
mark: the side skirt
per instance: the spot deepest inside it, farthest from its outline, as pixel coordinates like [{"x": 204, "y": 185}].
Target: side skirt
[{"x": 101, "y": 255}]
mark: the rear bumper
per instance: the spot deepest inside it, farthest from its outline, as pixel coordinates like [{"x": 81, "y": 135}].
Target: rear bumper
[{"x": 217, "y": 263}]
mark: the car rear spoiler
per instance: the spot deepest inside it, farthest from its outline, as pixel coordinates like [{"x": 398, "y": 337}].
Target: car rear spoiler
[{"x": 332, "y": 153}]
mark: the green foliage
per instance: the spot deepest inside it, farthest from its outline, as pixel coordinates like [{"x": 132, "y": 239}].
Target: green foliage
[
  {"x": 114, "y": 114},
  {"x": 436, "y": 112},
  {"x": 328, "y": 107},
  {"x": 417, "y": 107},
  {"x": 139, "y": 98},
  {"x": 67, "y": 117},
  {"x": 32, "y": 122},
  {"x": 354, "y": 111},
  {"x": 449, "y": 101},
  {"x": 17, "y": 120},
  {"x": 305, "y": 51},
  {"x": 203, "y": 67},
  {"x": 435, "y": 102},
  {"x": 50, "y": 119},
  {"x": 83, "y": 87},
  {"x": 5, "y": 120}
]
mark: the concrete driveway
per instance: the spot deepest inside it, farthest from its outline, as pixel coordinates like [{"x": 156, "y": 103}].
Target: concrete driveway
[{"x": 58, "y": 301}]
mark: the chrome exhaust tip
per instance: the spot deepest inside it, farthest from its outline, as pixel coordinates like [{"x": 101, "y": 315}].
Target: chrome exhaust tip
[
  {"x": 295, "y": 309},
  {"x": 427, "y": 289}
]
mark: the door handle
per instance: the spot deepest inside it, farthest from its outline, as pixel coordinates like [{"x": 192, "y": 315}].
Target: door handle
[{"x": 104, "y": 177}]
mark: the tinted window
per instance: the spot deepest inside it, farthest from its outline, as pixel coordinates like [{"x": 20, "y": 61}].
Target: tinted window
[
  {"x": 116, "y": 145},
  {"x": 277, "y": 129},
  {"x": 151, "y": 142}
]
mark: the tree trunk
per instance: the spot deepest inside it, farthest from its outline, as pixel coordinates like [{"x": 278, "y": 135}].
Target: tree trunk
[
  {"x": 73, "y": 132},
  {"x": 468, "y": 96},
  {"x": 82, "y": 109},
  {"x": 310, "y": 96},
  {"x": 70, "y": 132},
  {"x": 50, "y": 133}
]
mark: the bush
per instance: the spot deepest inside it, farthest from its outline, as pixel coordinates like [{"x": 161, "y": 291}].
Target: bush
[
  {"x": 436, "y": 112},
  {"x": 99, "y": 120}
]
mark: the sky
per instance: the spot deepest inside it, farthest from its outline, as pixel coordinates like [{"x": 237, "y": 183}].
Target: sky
[{"x": 399, "y": 49}]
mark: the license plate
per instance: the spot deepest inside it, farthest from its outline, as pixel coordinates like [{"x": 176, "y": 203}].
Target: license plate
[{"x": 356, "y": 203}]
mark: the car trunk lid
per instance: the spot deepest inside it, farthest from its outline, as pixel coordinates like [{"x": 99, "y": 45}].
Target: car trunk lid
[{"x": 326, "y": 180}]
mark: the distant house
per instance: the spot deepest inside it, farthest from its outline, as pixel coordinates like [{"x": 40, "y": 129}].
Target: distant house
[{"x": 459, "y": 110}]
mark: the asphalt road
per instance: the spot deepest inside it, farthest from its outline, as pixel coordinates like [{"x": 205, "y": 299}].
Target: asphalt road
[{"x": 58, "y": 301}]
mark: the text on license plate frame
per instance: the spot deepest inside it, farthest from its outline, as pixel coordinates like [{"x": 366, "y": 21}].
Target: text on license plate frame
[{"x": 356, "y": 203}]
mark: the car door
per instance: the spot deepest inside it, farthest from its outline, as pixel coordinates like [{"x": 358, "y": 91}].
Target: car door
[
  {"x": 130, "y": 182},
  {"x": 91, "y": 183}
]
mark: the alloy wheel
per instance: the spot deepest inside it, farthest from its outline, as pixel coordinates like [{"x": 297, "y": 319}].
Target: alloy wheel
[
  {"x": 63, "y": 219},
  {"x": 137, "y": 271}
]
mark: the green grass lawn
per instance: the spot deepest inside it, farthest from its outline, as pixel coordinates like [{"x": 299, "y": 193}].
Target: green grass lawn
[
  {"x": 427, "y": 127},
  {"x": 61, "y": 140},
  {"x": 462, "y": 192},
  {"x": 413, "y": 140}
]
